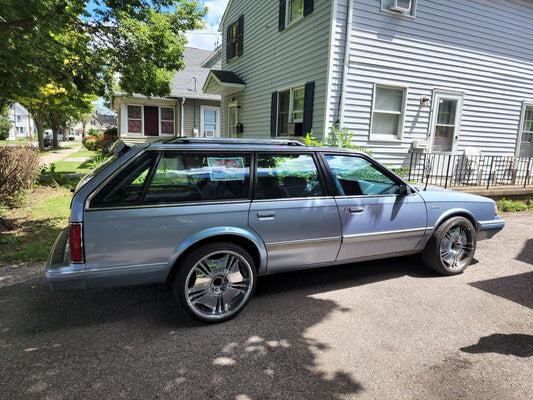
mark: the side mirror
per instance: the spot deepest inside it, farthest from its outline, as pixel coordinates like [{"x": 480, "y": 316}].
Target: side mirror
[{"x": 402, "y": 190}]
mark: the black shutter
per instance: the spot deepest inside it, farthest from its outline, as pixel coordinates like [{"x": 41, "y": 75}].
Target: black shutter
[
  {"x": 308, "y": 6},
  {"x": 309, "y": 98},
  {"x": 241, "y": 34},
  {"x": 282, "y": 8},
  {"x": 274, "y": 114},
  {"x": 228, "y": 44}
]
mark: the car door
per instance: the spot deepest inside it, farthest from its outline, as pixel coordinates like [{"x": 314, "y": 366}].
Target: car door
[
  {"x": 298, "y": 223},
  {"x": 379, "y": 216}
]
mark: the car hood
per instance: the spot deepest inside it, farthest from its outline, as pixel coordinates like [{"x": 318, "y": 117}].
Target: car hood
[{"x": 432, "y": 194}]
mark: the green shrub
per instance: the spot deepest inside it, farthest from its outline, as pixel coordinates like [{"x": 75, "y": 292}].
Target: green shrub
[
  {"x": 92, "y": 132},
  {"x": 338, "y": 137},
  {"x": 18, "y": 170},
  {"x": 93, "y": 144},
  {"x": 5, "y": 126},
  {"x": 89, "y": 138},
  {"x": 512, "y": 205},
  {"x": 111, "y": 132}
]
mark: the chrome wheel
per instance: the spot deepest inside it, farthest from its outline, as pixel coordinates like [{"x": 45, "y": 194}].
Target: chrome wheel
[
  {"x": 457, "y": 247},
  {"x": 452, "y": 246},
  {"x": 218, "y": 283}
]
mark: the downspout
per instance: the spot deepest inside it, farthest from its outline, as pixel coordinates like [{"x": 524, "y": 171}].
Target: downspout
[
  {"x": 346, "y": 62},
  {"x": 182, "y": 119}
]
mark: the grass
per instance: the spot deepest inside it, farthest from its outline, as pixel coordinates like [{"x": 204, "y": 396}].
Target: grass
[{"x": 27, "y": 233}]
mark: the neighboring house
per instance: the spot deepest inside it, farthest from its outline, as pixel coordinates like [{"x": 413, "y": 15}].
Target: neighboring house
[
  {"x": 100, "y": 122},
  {"x": 186, "y": 111},
  {"x": 23, "y": 125},
  {"x": 402, "y": 75}
]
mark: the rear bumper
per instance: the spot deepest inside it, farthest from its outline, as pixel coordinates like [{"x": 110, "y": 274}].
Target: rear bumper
[
  {"x": 59, "y": 272},
  {"x": 487, "y": 229}
]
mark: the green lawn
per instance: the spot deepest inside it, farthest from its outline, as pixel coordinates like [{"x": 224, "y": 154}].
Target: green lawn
[{"x": 27, "y": 233}]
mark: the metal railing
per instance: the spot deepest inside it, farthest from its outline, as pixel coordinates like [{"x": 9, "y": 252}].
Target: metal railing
[{"x": 470, "y": 170}]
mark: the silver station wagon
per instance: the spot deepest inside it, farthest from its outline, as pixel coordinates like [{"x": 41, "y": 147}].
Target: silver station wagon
[{"x": 210, "y": 216}]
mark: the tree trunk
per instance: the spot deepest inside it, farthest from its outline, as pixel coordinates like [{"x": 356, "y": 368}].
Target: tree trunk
[
  {"x": 55, "y": 121},
  {"x": 38, "y": 112}
]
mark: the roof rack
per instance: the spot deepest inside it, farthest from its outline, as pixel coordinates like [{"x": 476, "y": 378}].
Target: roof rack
[{"x": 275, "y": 142}]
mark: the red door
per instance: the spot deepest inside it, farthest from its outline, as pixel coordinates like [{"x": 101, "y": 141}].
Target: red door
[{"x": 151, "y": 121}]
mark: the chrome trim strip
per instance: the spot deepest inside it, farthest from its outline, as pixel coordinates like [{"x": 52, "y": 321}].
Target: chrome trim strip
[
  {"x": 392, "y": 234},
  {"x": 183, "y": 204},
  {"x": 66, "y": 274},
  {"x": 302, "y": 243}
]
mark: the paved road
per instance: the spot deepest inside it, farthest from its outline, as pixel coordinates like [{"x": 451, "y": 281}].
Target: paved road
[{"x": 380, "y": 330}]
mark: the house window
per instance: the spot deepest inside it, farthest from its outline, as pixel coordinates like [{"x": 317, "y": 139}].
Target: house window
[
  {"x": 388, "y": 113},
  {"x": 93, "y": 122},
  {"x": 151, "y": 121},
  {"x": 135, "y": 119},
  {"x": 167, "y": 121},
  {"x": 527, "y": 128},
  {"x": 295, "y": 10},
  {"x": 292, "y": 111},
  {"x": 210, "y": 121},
  {"x": 234, "y": 45},
  {"x": 292, "y": 10}
]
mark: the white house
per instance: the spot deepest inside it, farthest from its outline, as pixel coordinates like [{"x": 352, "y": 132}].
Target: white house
[
  {"x": 22, "y": 122},
  {"x": 186, "y": 111},
  {"x": 402, "y": 75}
]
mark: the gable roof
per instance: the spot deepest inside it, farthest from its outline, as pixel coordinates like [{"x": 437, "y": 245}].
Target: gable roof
[
  {"x": 219, "y": 81},
  {"x": 189, "y": 81}
]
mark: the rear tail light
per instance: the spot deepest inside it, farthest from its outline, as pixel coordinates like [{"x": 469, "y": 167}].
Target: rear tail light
[{"x": 76, "y": 248}]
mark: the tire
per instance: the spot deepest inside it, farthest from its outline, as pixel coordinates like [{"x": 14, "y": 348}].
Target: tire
[
  {"x": 215, "y": 282},
  {"x": 451, "y": 248}
]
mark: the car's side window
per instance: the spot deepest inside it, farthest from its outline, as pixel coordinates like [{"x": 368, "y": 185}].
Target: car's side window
[
  {"x": 286, "y": 176},
  {"x": 127, "y": 188},
  {"x": 184, "y": 177},
  {"x": 356, "y": 176}
]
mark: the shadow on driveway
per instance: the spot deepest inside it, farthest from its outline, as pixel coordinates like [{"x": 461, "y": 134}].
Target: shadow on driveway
[
  {"x": 513, "y": 344},
  {"x": 516, "y": 288},
  {"x": 136, "y": 343}
]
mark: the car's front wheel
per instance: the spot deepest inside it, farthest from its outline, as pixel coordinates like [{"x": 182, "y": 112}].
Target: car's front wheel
[
  {"x": 215, "y": 282},
  {"x": 451, "y": 248}
]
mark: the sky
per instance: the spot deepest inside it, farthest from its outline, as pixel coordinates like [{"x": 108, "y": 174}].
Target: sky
[{"x": 209, "y": 37}]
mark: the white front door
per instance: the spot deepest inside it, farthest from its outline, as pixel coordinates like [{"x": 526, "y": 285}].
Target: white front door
[
  {"x": 210, "y": 121},
  {"x": 233, "y": 120},
  {"x": 446, "y": 120}
]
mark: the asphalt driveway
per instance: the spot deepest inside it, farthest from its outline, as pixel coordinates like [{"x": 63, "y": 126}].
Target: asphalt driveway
[{"x": 379, "y": 330}]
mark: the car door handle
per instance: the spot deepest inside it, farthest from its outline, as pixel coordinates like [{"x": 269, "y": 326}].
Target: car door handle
[
  {"x": 266, "y": 214},
  {"x": 356, "y": 210}
]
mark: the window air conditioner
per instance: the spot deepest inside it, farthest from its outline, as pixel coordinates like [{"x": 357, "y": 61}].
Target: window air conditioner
[
  {"x": 403, "y": 6},
  {"x": 420, "y": 145}
]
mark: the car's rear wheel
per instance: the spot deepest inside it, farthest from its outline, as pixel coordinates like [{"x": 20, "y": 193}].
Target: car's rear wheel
[
  {"x": 451, "y": 248},
  {"x": 215, "y": 282}
]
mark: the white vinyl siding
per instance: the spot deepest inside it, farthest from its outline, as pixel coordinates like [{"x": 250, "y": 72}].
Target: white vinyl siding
[
  {"x": 482, "y": 49},
  {"x": 274, "y": 61}
]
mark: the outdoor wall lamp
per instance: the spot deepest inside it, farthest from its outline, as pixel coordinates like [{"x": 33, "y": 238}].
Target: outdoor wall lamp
[{"x": 425, "y": 101}]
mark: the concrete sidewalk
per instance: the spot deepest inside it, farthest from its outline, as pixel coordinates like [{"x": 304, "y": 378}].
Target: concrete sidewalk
[{"x": 57, "y": 155}]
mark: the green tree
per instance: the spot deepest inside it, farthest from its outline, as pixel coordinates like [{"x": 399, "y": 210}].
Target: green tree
[
  {"x": 61, "y": 43},
  {"x": 5, "y": 126}
]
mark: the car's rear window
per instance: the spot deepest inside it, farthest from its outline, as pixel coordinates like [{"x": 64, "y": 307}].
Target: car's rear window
[{"x": 176, "y": 177}]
